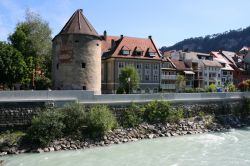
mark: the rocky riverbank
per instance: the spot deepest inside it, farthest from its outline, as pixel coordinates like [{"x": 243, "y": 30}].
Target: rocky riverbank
[{"x": 119, "y": 136}]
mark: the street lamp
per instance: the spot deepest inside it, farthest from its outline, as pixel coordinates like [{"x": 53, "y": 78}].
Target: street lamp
[{"x": 128, "y": 85}]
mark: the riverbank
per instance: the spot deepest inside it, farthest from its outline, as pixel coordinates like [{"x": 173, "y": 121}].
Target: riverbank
[{"x": 189, "y": 126}]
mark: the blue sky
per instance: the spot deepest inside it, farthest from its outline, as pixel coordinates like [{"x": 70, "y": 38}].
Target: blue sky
[{"x": 168, "y": 21}]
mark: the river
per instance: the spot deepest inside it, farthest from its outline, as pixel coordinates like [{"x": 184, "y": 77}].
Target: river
[{"x": 213, "y": 149}]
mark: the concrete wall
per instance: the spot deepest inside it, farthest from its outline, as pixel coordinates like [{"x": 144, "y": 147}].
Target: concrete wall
[{"x": 88, "y": 97}]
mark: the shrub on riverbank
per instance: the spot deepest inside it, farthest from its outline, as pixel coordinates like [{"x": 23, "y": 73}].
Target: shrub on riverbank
[
  {"x": 76, "y": 121},
  {"x": 46, "y": 127},
  {"x": 133, "y": 116},
  {"x": 74, "y": 116},
  {"x": 99, "y": 121},
  {"x": 71, "y": 121},
  {"x": 175, "y": 115},
  {"x": 10, "y": 138},
  {"x": 157, "y": 111}
]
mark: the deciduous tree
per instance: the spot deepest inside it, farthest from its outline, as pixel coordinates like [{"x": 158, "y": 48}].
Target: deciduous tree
[
  {"x": 129, "y": 79},
  {"x": 12, "y": 65}
]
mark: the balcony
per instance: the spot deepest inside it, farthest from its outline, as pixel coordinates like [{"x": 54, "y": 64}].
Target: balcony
[
  {"x": 168, "y": 77},
  {"x": 196, "y": 69},
  {"x": 199, "y": 78},
  {"x": 168, "y": 86},
  {"x": 212, "y": 78}
]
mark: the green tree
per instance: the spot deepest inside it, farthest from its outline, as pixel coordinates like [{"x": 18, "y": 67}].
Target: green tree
[
  {"x": 32, "y": 38},
  {"x": 129, "y": 79},
  {"x": 212, "y": 88},
  {"x": 12, "y": 65},
  {"x": 180, "y": 82}
]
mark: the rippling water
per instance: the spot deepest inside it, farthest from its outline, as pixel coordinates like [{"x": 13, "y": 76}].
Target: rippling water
[{"x": 219, "y": 149}]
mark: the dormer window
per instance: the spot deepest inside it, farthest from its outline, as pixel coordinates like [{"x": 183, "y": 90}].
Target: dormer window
[
  {"x": 125, "y": 52},
  {"x": 138, "y": 53},
  {"x": 151, "y": 54}
]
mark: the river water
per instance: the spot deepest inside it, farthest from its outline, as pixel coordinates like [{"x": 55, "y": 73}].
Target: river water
[{"x": 216, "y": 149}]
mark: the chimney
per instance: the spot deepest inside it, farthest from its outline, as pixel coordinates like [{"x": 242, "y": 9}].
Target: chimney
[
  {"x": 105, "y": 35},
  {"x": 150, "y": 37},
  {"x": 112, "y": 43}
]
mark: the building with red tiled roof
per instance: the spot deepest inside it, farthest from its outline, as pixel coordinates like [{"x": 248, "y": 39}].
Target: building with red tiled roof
[{"x": 121, "y": 51}]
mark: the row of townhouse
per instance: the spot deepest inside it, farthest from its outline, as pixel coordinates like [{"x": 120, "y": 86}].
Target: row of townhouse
[
  {"x": 207, "y": 69},
  {"x": 83, "y": 59}
]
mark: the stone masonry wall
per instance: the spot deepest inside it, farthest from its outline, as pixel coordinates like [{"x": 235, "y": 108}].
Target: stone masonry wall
[{"x": 18, "y": 115}]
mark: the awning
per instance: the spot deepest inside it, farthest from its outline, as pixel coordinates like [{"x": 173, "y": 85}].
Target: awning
[{"x": 189, "y": 72}]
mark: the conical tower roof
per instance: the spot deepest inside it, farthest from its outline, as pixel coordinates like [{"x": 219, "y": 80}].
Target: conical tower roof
[{"x": 78, "y": 24}]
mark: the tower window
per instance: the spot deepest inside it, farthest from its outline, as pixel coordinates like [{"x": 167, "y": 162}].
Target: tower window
[
  {"x": 83, "y": 87},
  {"x": 83, "y": 65}
]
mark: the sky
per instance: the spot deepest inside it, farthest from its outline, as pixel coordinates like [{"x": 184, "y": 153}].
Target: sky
[{"x": 168, "y": 21}]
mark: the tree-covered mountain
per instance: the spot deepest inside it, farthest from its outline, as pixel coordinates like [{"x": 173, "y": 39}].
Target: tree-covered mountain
[{"x": 232, "y": 40}]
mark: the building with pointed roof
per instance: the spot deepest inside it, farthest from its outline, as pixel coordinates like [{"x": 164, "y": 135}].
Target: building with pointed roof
[{"x": 77, "y": 56}]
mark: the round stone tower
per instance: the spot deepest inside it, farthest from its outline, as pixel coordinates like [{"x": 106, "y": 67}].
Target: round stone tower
[{"x": 77, "y": 56}]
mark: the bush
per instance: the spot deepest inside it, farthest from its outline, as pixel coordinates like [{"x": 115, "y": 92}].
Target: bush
[
  {"x": 46, "y": 127},
  {"x": 243, "y": 86},
  {"x": 157, "y": 111},
  {"x": 231, "y": 87},
  {"x": 10, "y": 138},
  {"x": 212, "y": 88},
  {"x": 99, "y": 121},
  {"x": 175, "y": 115},
  {"x": 189, "y": 90},
  {"x": 120, "y": 90},
  {"x": 42, "y": 83},
  {"x": 74, "y": 119},
  {"x": 200, "y": 90},
  {"x": 133, "y": 116}
]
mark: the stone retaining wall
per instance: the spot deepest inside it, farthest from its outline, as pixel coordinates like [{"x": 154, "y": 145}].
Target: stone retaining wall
[{"x": 18, "y": 115}]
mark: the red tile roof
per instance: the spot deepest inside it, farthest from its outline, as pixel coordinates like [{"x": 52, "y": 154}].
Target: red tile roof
[
  {"x": 132, "y": 43},
  {"x": 180, "y": 65},
  {"x": 220, "y": 57},
  {"x": 106, "y": 44},
  {"x": 211, "y": 63}
]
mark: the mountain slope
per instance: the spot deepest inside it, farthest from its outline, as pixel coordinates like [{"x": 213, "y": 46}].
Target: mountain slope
[{"x": 232, "y": 40}]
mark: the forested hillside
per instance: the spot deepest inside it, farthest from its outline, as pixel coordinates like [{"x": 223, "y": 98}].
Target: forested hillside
[{"x": 232, "y": 40}]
